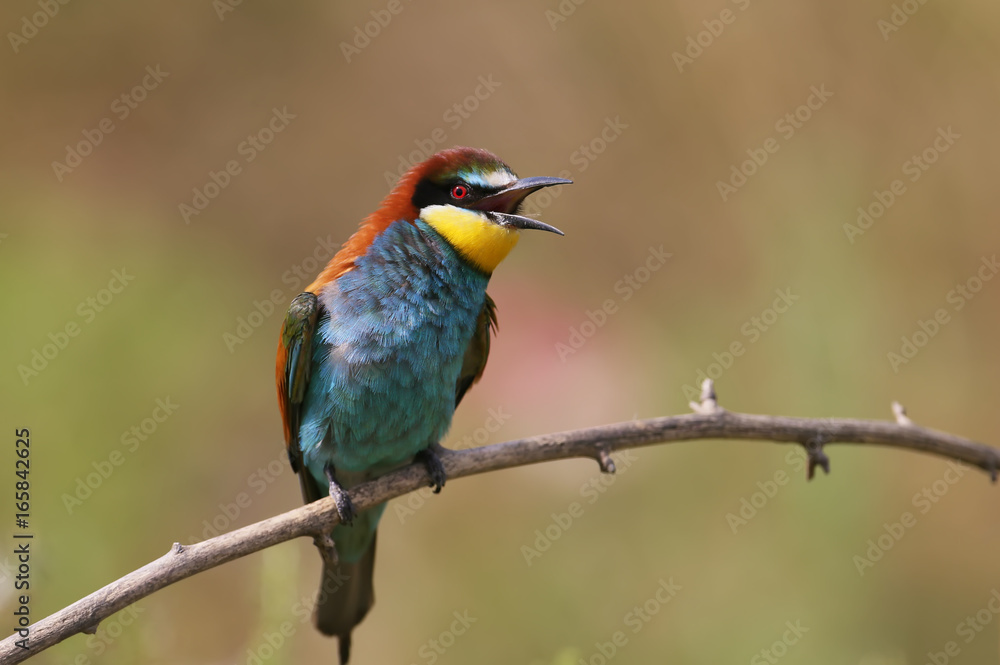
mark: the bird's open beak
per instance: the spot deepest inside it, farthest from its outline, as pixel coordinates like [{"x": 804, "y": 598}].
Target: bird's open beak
[{"x": 502, "y": 204}]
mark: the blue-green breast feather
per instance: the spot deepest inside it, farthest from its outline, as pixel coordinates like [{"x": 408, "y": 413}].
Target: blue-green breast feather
[{"x": 387, "y": 357}]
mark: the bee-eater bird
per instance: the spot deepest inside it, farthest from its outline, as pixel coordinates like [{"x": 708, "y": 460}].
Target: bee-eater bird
[{"x": 379, "y": 350}]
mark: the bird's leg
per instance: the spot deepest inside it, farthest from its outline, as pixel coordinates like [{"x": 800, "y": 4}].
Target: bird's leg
[
  {"x": 345, "y": 507},
  {"x": 430, "y": 459}
]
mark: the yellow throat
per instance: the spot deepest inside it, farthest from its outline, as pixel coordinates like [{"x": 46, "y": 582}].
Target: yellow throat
[{"x": 481, "y": 242}]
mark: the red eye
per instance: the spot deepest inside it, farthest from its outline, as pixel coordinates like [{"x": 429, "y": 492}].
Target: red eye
[{"x": 459, "y": 192}]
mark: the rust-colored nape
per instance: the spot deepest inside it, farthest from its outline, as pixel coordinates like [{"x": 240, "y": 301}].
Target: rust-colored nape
[{"x": 398, "y": 204}]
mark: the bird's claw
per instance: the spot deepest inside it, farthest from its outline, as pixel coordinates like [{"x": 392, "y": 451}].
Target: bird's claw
[
  {"x": 435, "y": 468},
  {"x": 345, "y": 507}
]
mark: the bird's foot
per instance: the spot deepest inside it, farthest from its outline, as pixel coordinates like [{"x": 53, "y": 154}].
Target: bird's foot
[
  {"x": 345, "y": 507},
  {"x": 430, "y": 459}
]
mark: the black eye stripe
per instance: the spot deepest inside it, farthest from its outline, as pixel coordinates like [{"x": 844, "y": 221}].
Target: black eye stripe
[{"x": 437, "y": 192}]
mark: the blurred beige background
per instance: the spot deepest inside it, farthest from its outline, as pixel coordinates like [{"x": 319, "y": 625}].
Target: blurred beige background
[{"x": 654, "y": 109}]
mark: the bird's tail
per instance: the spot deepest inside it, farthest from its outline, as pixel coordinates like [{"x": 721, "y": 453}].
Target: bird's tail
[{"x": 345, "y": 596}]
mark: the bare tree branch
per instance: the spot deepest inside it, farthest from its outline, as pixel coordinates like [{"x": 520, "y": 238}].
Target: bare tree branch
[{"x": 708, "y": 422}]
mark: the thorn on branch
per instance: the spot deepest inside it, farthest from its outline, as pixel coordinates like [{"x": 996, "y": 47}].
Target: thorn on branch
[
  {"x": 708, "y": 405},
  {"x": 604, "y": 460},
  {"x": 327, "y": 549},
  {"x": 899, "y": 411},
  {"x": 177, "y": 548},
  {"x": 91, "y": 630},
  {"x": 817, "y": 457}
]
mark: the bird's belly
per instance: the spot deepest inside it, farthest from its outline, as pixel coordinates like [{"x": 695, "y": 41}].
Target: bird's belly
[
  {"x": 372, "y": 409},
  {"x": 389, "y": 411},
  {"x": 390, "y": 350}
]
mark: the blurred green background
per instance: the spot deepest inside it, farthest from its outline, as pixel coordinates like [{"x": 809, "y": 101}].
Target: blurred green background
[{"x": 601, "y": 91}]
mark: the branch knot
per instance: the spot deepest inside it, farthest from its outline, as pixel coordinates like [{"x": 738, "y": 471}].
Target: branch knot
[
  {"x": 902, "y": 419},
  {"x": 604, "y": 460},
  {"x": 708, "y": 404},
  {"x": 817, "y": 457}
]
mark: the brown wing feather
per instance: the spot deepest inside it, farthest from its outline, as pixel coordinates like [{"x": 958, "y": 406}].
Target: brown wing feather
[
  {"x": 478, "y": 350},
  {"x": 292, "y": 369}
]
